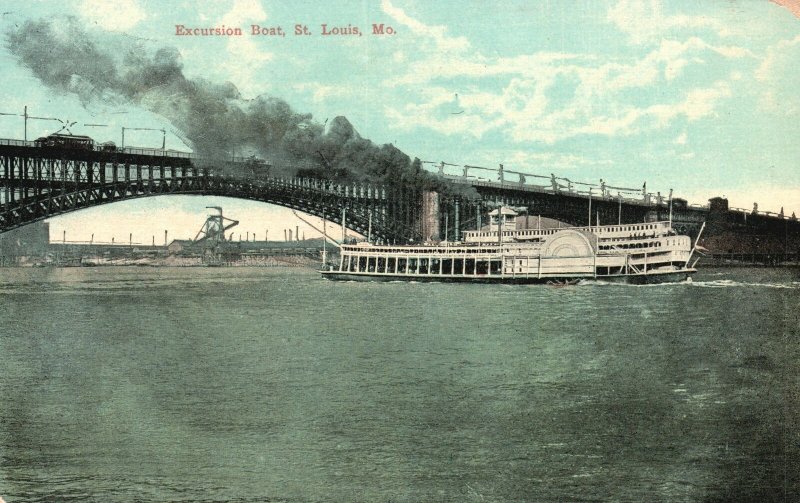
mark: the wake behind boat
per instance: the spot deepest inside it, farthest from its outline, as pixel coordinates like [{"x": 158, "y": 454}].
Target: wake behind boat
[{"x": 634, "y": 253}]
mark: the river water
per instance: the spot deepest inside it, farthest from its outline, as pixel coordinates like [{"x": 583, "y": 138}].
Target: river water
[{"x": 272, "y": 384}]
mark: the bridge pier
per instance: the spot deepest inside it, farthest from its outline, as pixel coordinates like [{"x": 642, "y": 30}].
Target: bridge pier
[{"x": 430, "y": 216}]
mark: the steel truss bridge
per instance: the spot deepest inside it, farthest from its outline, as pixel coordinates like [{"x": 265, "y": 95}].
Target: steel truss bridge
[
  {"x": 38, "y": 183},
  {"x": 42, "y": 182}
]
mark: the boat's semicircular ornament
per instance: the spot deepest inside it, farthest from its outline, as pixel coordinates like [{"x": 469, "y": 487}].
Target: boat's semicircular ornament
[{"x": 570, "y": 243}]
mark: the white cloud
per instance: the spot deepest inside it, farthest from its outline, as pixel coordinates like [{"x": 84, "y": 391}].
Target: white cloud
[
  {"x": 623, "y": 120},
  {"x": 114, "y": 15},
  {"x": 523, "y": 112},
  {"x": 669, "y": 60},
  {"x": 551, "y": 96},
  {"x": 435, "y": 65},
  {"x": 701, "y": 102},
  {"x": 543, "y": 162},
  {"x": 243, "y": 12},
  {"x": 645, "y": 21},
  {"x": 245, "y": 48},
  {"x": 777, "y": 76},
  {"x": 438, "y": 34},
  {"x": 321, "y": 92},
  {"x": 411, "y": 115}
]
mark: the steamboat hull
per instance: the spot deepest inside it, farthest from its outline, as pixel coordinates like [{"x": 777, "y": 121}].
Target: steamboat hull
[{"x": 634, "y": 279}]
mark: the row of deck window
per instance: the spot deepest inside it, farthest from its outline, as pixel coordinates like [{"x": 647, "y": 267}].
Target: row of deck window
[
  {"x": 640, "y": 244},
  {"x": 631, "y": 228},
  {"x": 424, "y": 265},
  {"x": 434, "y": 250},
  {"x": 544, "y": 232}
]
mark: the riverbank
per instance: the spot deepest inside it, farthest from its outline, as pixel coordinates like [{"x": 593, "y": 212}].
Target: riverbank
[{"x": 171, "y": 261}]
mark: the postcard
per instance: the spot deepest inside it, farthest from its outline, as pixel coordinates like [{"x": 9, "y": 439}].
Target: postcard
[{"x": 393, "y": 250}]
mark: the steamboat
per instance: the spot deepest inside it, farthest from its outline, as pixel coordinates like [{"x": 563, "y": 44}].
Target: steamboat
[{"x": 650, "y": 252}]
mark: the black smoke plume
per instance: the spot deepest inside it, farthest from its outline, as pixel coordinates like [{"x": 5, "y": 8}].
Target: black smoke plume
[{"x": 212, "y": 118}]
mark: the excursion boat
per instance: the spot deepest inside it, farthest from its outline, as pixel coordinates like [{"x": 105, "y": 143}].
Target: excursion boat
[{"x": 633, "y": 253}]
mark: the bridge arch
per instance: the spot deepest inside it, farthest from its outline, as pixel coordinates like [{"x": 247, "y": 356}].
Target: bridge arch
[{"x": 357, "y": 219}]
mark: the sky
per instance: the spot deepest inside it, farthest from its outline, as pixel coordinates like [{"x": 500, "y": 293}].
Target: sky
[{"x": 699, "y": 97}]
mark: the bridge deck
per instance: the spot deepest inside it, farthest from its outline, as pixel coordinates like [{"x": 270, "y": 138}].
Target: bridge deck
[{"x": 41, "y": 182}]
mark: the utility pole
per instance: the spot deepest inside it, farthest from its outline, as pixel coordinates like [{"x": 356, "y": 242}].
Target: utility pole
[
  {"x": 457, "y": 223},
  {"x": 499, "y": 225},
  {"x": 324, "y": 239},
  {"x": 27, "y": 117},
  {"x": 670, "y": 208},
  {"x": 344, "y": 228}
]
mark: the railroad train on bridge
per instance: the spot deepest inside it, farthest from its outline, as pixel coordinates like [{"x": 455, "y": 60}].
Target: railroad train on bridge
[
  {"x": 254, "y": 166},
  {"x": 74, "y": 142}
]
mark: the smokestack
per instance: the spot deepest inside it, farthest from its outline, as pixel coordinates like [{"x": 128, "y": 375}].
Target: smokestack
[
  {"x": 284, "y": 236},
  {"x": 165, "y": 237},
  {"x": 297, "y": 232},
  {"x": 290, "y": 234},
  {"x": 248, "y": 236},
  {"x": 64, "y": 237},
  {"x": 91, "y": 241},
  {"x": 266, "y": 235},
  {"x": 130, "y": 239}
]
